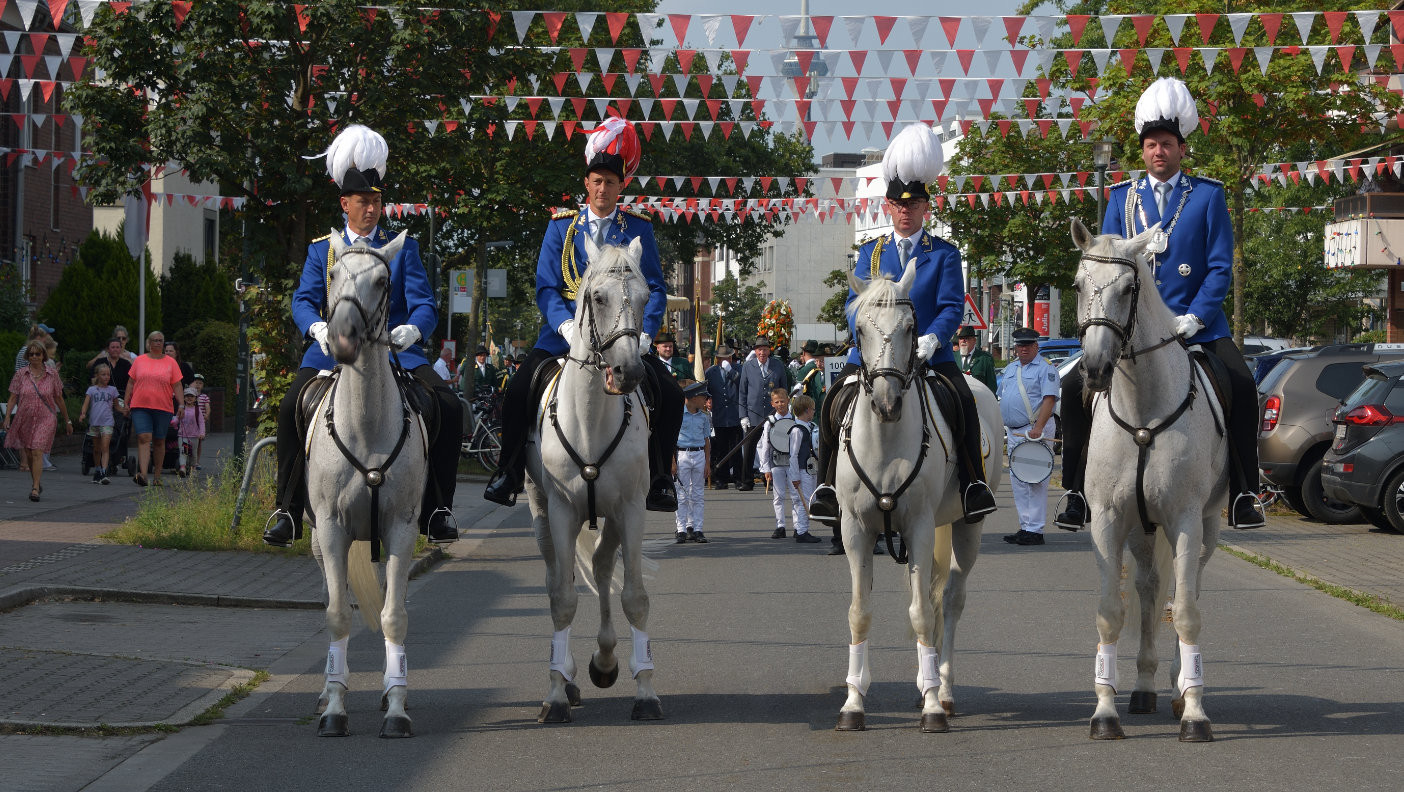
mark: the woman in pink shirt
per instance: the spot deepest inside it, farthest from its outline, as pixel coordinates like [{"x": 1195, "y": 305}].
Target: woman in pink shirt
[{"x": 151, "y": 397}]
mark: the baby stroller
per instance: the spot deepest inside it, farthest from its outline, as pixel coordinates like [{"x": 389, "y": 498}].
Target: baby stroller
[{"x": 118, "y": 443}]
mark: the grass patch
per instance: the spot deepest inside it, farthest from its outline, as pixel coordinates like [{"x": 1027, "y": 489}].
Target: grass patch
[
  {"x": 237, "y": 693},
  {"x": 1369, "y": 602},
  {"x": 100, "y": 730}
]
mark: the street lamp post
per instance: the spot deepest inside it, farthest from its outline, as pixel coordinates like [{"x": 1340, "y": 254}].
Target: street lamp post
[{"x": 1102, "y": 152}]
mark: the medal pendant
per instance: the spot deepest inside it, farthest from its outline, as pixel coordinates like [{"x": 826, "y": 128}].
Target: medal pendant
[{"x": 1158, "y": 242}]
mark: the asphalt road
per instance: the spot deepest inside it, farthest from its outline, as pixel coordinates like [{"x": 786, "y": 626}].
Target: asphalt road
[{"x": 750, "y": 636}]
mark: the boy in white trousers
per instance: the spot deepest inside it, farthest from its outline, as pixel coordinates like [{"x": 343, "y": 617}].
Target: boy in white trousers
[
  {"x": 803, "y": 463},
  {"x": 776, "y": 467},
  {"x": 693, "y": 461}
]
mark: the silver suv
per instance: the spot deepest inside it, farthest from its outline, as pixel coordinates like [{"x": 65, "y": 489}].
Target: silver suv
[{"x": 1298, "y": 398}]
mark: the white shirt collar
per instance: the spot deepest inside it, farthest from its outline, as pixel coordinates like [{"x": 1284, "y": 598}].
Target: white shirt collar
[
  {"x": 352, "y": 236},
  {"x": 1152, "y": 181},
  {"x": 594, "y": 218}
]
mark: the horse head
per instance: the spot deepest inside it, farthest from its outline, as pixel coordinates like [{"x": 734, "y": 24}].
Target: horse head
[
  {"x": 1109, "y": 285},
  {"x": 358, "y": 296},
  {"x": 884, "y": 322},
  {"x": 609, "y": 308}
]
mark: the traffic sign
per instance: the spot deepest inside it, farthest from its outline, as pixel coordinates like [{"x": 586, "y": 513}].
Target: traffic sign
[{"x": 972, "y": 316}]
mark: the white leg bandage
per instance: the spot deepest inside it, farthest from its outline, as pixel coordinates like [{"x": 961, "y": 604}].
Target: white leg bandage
[
  {"x": 1191, "y": 667},
  {"x": 929, "y": 675},
  {"x": 643, "y": 652},
  {"x": 336, "y": 661},
  {"x": 1105, "y": 672},
  {"x": 560, "y": 654},
  {"x": 396, "y": 669},
  {"x": 858, "y": 675}
]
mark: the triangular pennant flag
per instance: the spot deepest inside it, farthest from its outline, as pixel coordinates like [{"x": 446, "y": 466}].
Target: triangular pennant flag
[
  {"x": 741, "y": 24},
  {"x": 884, "y": 24},
  {"x": 1175, "y": 23},
  {"x": 586, "y": 22},
  {"x": 1099, "y": 58},
  {"x": 1182, "y": 57},
  {"x": 1304, "y": 20},
  {"x": 1073, "y": 57},
  {"x": 1155, "y": 55},
  {"x": 1334, "y": 20},
  {"x": 965, "y": 56},
  {"x": 679, "y": 23},
  {"x": 1318, "y": 57},
  {"x": 821, "y": 25},
  {"x": 1236, "y": 55},
  {"x": 1367, "y": 21},
  {"x": 1372, "y": 53},
  {"x": 553, "y": 20},
  {"x": 994, "y": 56},
  {"x": 1264, "y": 55},
  {"x": 789, "y": 27},
  {"x": 951, "y": 26},
  {"x": 981, "y": 26},
  {"x": 26, "y": 11},
  {"x": 1271, "y": 24},
  {"x": 1110, "y": 24},
  {"x": 1142, "y": 23},
  {"x": 1013, "y": 28},
  {"x": 1209, "y": 55},
  {"x": 1077, "y": 23},
  {"x": 615, "y": 21},
  {"x": 1206, "y": 25},
  {"x": 918, "y": 25},
  {"x": 522, "y": 21},
  {"x": 711, "y": 25},
  {"x": 1345, "y": 52}
]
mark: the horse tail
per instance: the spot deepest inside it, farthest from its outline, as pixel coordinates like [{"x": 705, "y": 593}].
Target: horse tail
[
  {"x": 585, "y": 544},
  {"x": 365, "y": 584}
]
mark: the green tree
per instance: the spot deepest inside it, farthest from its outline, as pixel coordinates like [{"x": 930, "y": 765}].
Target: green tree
[
  {"x": 832, "y": 310},
  {"x": 739, "y": 307},
  {"x": 97, "y": 290},
  {"x": 192, "y": 292},
  {"x": 211, "y": 347},
  {"x": 14, "y": 314}
]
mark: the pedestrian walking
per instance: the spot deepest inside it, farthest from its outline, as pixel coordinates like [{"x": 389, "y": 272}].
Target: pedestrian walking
[
  {"x": 694, "y": 461},
  {"x": 33, "y": 410},
  {"x": 99, "y": 408}
]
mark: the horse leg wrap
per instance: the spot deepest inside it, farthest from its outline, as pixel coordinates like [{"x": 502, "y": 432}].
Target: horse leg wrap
[
  {"x": 1191, "y": 667},
  {"x": 560, "y": 654},
  {"x": 643, "y": 651},
  {"x": 858, "y": 675},
  {"x": 1105, "y": 672},
  {"x": 396, "y": 669},
  {"x": 336, "y": 661},
  {"x": 927, "y": 661}
]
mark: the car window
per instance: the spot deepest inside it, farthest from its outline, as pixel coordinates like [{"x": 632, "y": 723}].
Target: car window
[
  {"x": 1395, "y": 402},
  {"x": 1373, "y": 391},
  {"x": 1253, "y": 349},
  {"x": 1337, "y": 380},
  {"x": 1274, "y": 377}
]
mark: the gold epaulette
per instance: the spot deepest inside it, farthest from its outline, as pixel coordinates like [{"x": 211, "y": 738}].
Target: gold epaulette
[
  {"x": 321, "y": 239},
  {"x": 1118, "y": 184},
  {"x": 638, "y": 214},
  {"x": 563, "y": 213},
  {"x": 1207, "y": 179}
]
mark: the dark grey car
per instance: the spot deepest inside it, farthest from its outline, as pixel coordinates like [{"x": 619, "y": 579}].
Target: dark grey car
[{"x": 1365, "y": 465}]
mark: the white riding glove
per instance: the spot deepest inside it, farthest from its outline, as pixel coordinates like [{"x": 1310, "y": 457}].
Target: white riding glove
[
  {"x": 566, "y": 330},
  {"x": 403, "y": 337},
  {"x": 1188, "y": 325},
  {"x": 645, "y": 343},
  {"x": 745, "y": 424},
  {"x": 318, "y": 331},
  {"x": 927, "y": 346}
]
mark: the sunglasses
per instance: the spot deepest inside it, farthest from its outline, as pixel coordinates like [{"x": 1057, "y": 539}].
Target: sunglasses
[{"x": 35, "y": 354}]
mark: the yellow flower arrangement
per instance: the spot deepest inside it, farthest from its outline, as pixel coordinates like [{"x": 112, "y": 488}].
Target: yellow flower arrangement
[{"x": 777, "y": 323}]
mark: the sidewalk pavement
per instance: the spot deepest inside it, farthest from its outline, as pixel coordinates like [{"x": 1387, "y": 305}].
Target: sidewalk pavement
[{"x": 97, "y": 634}]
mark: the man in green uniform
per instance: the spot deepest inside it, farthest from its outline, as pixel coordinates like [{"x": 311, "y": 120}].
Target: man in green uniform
[
  {"x": 809, "y": 378},
  {"x": 973, "y": 360},
  {"x": 665, "y": 345}
]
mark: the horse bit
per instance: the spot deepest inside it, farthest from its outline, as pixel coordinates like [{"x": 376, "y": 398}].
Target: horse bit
[{"x": 887, "y": 502}]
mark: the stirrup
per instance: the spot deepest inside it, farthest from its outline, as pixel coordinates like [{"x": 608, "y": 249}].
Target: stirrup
[
  {"x": 1060, "y": 511},
  {"x": 273, "y": 518},
  {"x": 975, "y": 513},
  {"x": 451, "y": 519},
  {"x": 1257, "y": 507}
]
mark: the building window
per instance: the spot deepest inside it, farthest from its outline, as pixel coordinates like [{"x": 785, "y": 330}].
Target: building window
[{"x": 211, "y": 239}]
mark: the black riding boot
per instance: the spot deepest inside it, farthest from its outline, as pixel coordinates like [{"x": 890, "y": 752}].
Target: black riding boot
[
  {"x": 517, "y": 409},
  {"x": 823, "y": 504},
  {"x": 436, "y": 509},
  {"x": 285, "y": 524},
  {"x": 1076, "y": 426},
  {"x": 975, "y": 496}
]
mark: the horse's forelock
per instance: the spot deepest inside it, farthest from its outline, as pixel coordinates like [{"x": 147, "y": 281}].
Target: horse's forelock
[
  {"x": 881, "y": 293},
  {"x": 612, "y": 260}
]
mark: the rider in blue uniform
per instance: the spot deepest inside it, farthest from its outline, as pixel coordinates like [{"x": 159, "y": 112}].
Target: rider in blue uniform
[
  {"x": 356, "y": 161},
  {"x": 1193, "y": 275},
  {"x": 911, "y": 161},
  {"x": 611, "y": 156}
]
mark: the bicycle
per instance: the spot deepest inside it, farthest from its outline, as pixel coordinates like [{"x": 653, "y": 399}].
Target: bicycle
[{"x": 482, "y": 430}]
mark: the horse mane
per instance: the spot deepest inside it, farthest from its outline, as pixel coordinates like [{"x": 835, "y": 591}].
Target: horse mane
[
  {"x": 613, "y": 259},
  {"x": 881, "y": 293}
]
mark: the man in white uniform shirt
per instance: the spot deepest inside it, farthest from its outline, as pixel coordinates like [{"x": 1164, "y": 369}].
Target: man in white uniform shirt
[{"x": 1027, "y": 393}]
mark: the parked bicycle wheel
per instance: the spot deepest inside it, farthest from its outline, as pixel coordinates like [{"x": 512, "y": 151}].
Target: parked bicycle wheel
[{"x": 489, "y": 443}]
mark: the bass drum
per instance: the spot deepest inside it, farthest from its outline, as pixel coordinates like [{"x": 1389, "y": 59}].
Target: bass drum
[
  {"x": 1031, "y": 462},
  {"x": 780, "y": 435}
]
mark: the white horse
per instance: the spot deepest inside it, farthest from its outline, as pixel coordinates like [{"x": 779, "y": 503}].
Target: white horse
[
  {"x": 589, "y": 461},
  {"x": 897, "y": 471},
  {"x": 1156, "y": 457},
  {"x": 365, "y": 479}
]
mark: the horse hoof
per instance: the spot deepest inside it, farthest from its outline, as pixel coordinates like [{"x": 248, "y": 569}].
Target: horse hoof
[
  {"x": 1107, "y": 728},
  {"x": 934, "y": 723},
  {"x": 396, "y": 726},
  {"x": 851, "y": 721},
  {"x": 603, "y": 679},
  {"x": 949, "y": 707},
  {"x": 647, "y": 709},
  {"x": 1142, "y": 702},
  {"x": 1196, "y": 731},
  {"x": 1177, "y": 707},
  {"x": 321, "y": 705},
  {"x": 334, "y": 726},
  {"x": 554, "y": 712},
  {"x": 573, "y": 694}
]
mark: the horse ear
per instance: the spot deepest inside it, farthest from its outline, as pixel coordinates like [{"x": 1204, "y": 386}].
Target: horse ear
[
  {"x": 338, "y": 245},
  {"x": 1142, "y": 239},
  {"x": 393, "y": 249},
  {"x": 635, "y": 249},
  {"x": 856, "y": 284},
  {"x": 592, "y": 251},
  {"x": 908, "y": 277},
  {"x": 1080, "y": 235}
]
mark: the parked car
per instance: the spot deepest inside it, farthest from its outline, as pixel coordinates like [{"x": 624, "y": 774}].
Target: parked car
[
  {"x": 1258, "y": 345},
  {"x": 1298, "y": 400},
  {"x": 1057, "y": 350},
  {"x": 1365, "y": 465},
  {"x": 1262, "y": 364}
]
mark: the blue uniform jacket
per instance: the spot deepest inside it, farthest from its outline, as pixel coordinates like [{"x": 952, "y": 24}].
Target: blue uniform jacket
[
  {"x": 725, "y": 389},
  {"x": 556, "y": 306},
  {"x": 1196, "y": 269},
  {"x": 411, "y": 299},
  {"x": 938, "y": 292}
]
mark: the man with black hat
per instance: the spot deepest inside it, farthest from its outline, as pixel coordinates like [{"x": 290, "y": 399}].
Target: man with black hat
[
  {"x": 1027, "y": 393},
  {"x": 809, "y": 377},
  {"x": 973, "y": 360},
  {"x": 484, "y": 373},
  {"x": 665, "y": 345},
  {"x": 759, "y": 376},
  {"x": 912, "y": 161},
  {"x": 611, "y": 157},
  {"x": 356, "y": 162},
  {"x": 1193, "y": 267},
  {"x": 724, "y": 386}
]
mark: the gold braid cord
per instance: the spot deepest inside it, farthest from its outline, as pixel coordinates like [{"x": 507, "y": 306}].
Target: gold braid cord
[
  {"x": 326, "y": 274},
  {"x": 875, "y": 269},
  {"x": 570, "y": 275}
]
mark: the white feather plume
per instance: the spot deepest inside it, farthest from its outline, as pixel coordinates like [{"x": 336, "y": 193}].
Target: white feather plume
[
  {"x": 914, "y": 155},
  {"x": 357, "y": 147},
  {"x": 1169, "y": 99}
]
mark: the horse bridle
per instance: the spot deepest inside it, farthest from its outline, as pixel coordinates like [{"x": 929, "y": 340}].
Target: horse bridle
[
  {"x": 598, "y": 345},
  {"x": 905, "y": 376},
  {"x": 374, "y": 322},
  {"x": 1125, "y": 332}
]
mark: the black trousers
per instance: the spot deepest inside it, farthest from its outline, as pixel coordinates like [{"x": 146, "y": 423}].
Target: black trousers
[
  {"x": 444, "y": 448},
  {"x": 972, "y": 467},
  {"x": 1242, "y": 422},
  {"x": 660, "y": 389},
  {"x": 726, "y": 439}
]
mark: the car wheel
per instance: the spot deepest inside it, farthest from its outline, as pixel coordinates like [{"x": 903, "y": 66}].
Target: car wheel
[
  {"x": 1321, "y": 508},
  {"x": 1393, "y": 505},
  {"x": 1293, "y": 496},
  {"x": 1376, "y": 517}
]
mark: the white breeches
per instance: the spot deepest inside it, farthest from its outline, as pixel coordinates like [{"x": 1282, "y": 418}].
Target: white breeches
[
  {"x": 781, "y": 488},
  {"x": 1030, "y": 500},
  {"x": 691, "y": 486}
]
